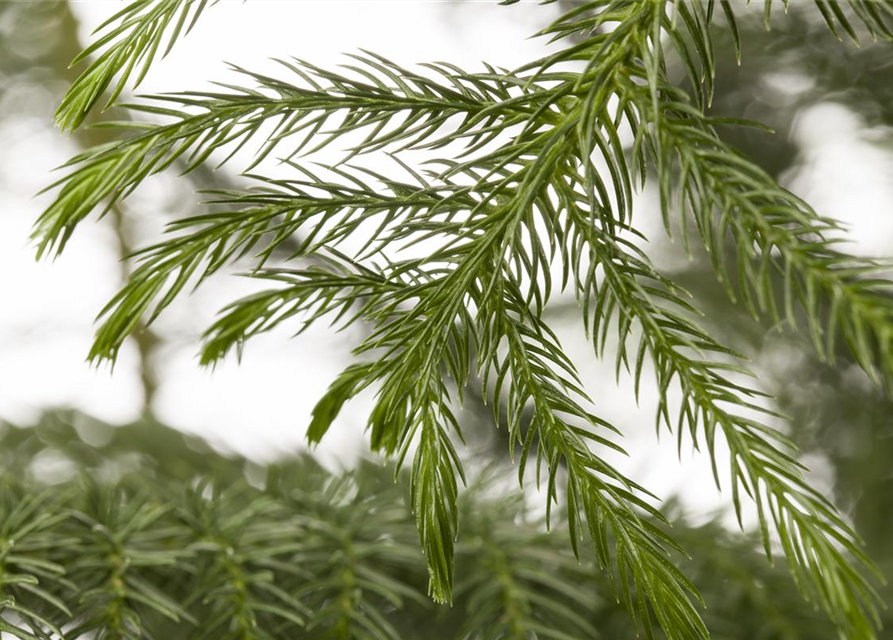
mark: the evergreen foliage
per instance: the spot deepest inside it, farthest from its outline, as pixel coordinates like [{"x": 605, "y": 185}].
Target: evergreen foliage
[
  {"x": 527, "y": 191},
  {"x": 146, "y": 534}
]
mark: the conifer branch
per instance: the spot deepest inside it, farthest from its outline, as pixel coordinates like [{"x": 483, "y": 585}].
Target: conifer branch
[
  {"x": 760, "y": 466},
  {"x": 113, "y": 598},
  {"x": 776, "y": 236},
  {"x": 130, "y": 38},
  {"x": 26, "y": 577},
  {"x": 235, "y": 556},
  {"x": 527, "y": 600},
  {"x": 501, "y": 214},
  {"x": 400, "y": 109}
]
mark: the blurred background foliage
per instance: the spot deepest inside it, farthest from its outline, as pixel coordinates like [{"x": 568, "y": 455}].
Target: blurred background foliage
[
  {"x": 96, "y": 474},
  {"x": 139, "y": 515}
]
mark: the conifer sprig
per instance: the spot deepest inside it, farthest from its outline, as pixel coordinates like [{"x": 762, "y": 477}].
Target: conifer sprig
[
  {"x": 398, "y": 110},
  {"x": 132, "y": 38},
  {"x": 534, "y": 372},
  {"x": 776, "y": 236},
  {"x": 28, "y": 581},
  {"x": 519, "y": 200},
  {"x": 127, "y": 43},
  {"x": 761, "y": 457}
]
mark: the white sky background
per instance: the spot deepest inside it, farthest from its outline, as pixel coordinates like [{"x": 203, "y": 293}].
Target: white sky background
[{"x": 261, "y": 406}]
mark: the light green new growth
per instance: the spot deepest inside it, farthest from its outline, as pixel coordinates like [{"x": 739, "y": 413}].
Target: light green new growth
[
  {"x": 130, "y": 41},
  {"x": 532, "y": 193}
]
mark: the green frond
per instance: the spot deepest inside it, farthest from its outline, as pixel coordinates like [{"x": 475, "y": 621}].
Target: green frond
[
  {"x": 113, "y": 599},
  {"x": 235, "y": 558},
  {"x": 518, "y": 583},
  {"x": 532, "y": 194},
  {"x": 397, "y": 108},
  {"x": 864, "y": 18},
  {"x": 601, "y": 502},
  {"x": 127, "y": 44},
  {"x": 26, "y": 532},
  {"x": 776, "y": 236},
  {"x": 761, "y": 460}
]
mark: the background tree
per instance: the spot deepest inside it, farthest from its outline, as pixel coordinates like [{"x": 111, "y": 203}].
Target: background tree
[{"x": 292, "y": 549}]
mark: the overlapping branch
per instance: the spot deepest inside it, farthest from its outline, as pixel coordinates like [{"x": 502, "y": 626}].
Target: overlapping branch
[{"x": 520, "y": 198}]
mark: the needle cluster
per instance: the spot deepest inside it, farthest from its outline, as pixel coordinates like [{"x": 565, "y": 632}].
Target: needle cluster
[{"x": 526, "y": 192}]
